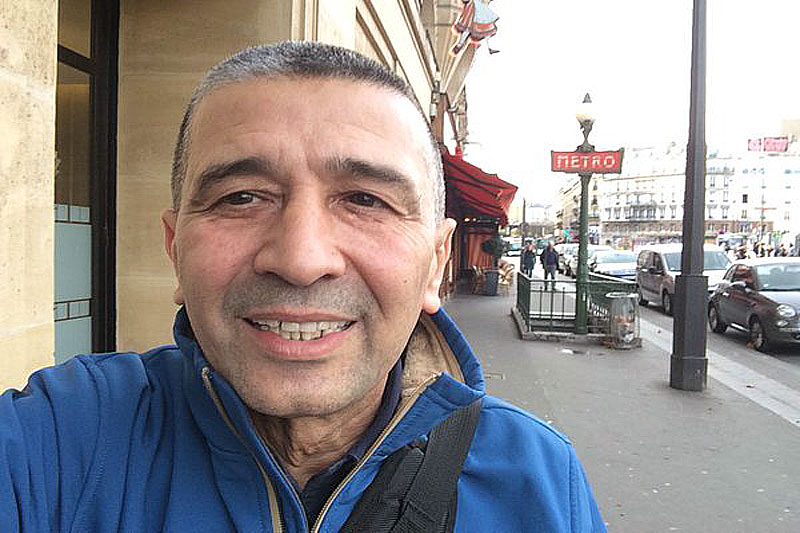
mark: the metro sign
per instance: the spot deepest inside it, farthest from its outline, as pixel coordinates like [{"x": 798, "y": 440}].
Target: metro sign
[{"x": 587, "y": 162}]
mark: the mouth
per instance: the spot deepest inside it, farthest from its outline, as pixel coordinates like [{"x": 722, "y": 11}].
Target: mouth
[{"x": 300, "y": 331}]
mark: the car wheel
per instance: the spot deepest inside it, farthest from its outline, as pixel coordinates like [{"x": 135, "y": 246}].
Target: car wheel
[
  {"x": 716, "y": 324},
  {"x": 642, "y": 299},
  {"x": 666, "y": 303},
  {"x": 758, "y": 336}
]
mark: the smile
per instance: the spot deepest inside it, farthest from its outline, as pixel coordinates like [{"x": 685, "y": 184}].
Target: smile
[{"x": 299, "y": 331}]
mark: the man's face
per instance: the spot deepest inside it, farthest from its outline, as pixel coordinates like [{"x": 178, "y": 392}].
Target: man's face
[{"x": 305, "y": 244}]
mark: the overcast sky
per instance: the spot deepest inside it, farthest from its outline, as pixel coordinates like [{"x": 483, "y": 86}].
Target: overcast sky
[{"x": 634, "y": 58}]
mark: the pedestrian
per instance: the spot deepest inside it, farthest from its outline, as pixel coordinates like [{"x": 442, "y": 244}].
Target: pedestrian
[
  {"x": 528, "y": 258},
  {"x": 300, "y": 382},
  {"x": 550, "y": 262}
]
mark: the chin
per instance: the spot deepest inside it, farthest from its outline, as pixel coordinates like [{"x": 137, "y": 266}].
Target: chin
[{"x": 296, "y": 404}]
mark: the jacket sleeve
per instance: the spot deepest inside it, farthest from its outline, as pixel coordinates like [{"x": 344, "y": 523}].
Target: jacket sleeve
[
  {"x": 48, "y": 434},
  {"x": 586, "y": 516}
]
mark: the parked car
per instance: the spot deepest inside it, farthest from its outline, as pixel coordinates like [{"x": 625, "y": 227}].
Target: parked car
[
  {"x": 513, "y": 248},
  {"x": 761, "y": 296},
  {"x": 617, "y": 263},
  {"x": 658, "y": 265},
  {"x": 572, "y": 264},
  {"x": 564, "y": 252}
]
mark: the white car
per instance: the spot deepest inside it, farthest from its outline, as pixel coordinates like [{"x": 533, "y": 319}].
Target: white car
[
  {"x": 616, "y": 263},
  {"x": 658, "y": 265},
  {"x": 572, "y": 264},
  {"x": 565, "y": 251}
]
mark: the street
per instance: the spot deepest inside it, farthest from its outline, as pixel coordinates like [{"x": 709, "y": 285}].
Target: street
[{"x": 659, "y": 459}]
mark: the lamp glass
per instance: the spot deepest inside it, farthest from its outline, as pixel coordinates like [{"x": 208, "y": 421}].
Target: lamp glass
[{"x": 585, "y": 111}]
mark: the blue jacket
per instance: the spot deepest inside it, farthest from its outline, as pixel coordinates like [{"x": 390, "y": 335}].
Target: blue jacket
[{"x": 159, "y": 441}]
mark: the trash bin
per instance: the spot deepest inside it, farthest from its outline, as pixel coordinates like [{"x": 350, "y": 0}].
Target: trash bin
[
  {"x": 623, "y": 320},
  {"x": 490, "y": 282}
]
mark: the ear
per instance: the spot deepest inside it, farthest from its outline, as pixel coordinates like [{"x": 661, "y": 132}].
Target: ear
[
  {"x": 169, "y": 219},
  {"x": 444, "y": 233}
]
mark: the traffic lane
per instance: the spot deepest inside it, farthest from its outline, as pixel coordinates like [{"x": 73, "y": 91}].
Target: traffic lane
[{"x": 783, "y": 365}]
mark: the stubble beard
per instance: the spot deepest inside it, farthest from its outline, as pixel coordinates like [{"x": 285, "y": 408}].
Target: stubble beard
[{"x": 300, "y": 388}]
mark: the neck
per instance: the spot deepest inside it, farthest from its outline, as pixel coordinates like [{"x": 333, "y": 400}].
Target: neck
[{"x": 307, "y": 445}]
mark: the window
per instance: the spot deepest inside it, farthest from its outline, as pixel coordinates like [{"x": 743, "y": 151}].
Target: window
[
  {"x": 744, "y": 214},
  {"x": 724, "y": 211},
  {"x": 744, "y": 198},
  {"x": 673, "y": 211},
  {"x": 712, "y": 180},
  {"x": 787, "y": 215},
  {"x": 724, "y": 196},
  {"x": 84, "y": 299},
  {"x": 662, "y": 211}
]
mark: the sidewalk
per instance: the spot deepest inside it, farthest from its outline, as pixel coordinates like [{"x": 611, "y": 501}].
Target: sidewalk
[{"x": 658, "y": 459}]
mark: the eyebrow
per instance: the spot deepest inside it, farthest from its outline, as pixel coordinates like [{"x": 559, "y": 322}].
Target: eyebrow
[
  {"x": 360, "y": 168},
  {"x": 247, "y": 166}
]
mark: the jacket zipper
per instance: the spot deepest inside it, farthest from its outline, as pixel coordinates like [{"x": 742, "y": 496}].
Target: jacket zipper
[
  {"x": 412, "y": 399},
  {"x": 274, "y": 508}
]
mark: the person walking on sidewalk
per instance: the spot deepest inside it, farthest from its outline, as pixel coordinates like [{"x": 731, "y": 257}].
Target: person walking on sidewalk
[
  {"x": 305, "y": 391},
  {"x": 528, "y": 258},
  {"x": 550, "y": 262}
]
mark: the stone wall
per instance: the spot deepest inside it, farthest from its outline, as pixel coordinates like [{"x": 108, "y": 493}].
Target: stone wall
[{"x": 28, "y": 37}]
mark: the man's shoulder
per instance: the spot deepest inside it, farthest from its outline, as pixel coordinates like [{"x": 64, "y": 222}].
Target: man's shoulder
[
  {"x": 507, "y": 421},
  {"x": 104, "y": 374}
]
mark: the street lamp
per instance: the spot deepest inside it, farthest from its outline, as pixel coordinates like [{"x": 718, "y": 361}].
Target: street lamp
[
  {"x": 688, "y": 363},
  {"x": 585, "y": 118}
]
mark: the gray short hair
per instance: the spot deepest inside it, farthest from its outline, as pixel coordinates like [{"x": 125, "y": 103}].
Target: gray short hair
[{"x": 300, "y": 59}]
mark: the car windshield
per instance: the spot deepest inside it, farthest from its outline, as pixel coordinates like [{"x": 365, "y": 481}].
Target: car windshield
[
  {"x": 616, "y": 257},
  {"x": 779, "y": 277},
  {"x": 712, "y": 260}
]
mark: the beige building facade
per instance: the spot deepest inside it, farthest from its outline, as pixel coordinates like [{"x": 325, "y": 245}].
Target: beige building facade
[{"x": 90, "y": 103}]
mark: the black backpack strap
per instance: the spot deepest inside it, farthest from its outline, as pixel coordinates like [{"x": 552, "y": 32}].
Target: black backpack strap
[{"x": 415, "y": 492}]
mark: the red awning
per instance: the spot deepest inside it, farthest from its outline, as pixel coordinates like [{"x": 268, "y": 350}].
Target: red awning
[{"x": 471, "y": 191}]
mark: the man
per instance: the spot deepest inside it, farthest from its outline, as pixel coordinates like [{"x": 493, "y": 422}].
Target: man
[
  {"x": 308, "y": 237},
  {"x": 550, "y": 262},
  {"x": 528, "y": 258}
]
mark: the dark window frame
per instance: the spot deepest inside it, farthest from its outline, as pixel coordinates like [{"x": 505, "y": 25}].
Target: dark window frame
[{"x": 102, "y": 68}]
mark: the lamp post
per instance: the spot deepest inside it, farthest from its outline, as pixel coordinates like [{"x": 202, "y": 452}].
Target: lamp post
[
  {"x": 584, "y": 162},
  {"x": 688, "y": 364},
  {"x": 586, "y": 120}
]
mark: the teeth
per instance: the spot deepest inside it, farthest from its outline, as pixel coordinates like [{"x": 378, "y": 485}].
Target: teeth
[
  {"x": 308, "y": 327},
  {"x": 300, "y": 330}
]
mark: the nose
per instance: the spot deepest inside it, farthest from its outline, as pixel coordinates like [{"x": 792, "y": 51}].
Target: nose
[{"x": 303, "y": 246}]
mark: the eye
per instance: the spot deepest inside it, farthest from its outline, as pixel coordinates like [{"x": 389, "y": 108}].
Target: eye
[
  {"x": 238, "y": 198},
  {"x": 362, "y": 199}
]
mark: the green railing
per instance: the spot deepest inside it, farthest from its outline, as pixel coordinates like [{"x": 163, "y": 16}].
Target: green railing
[{"x": 547, "y": 306}]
